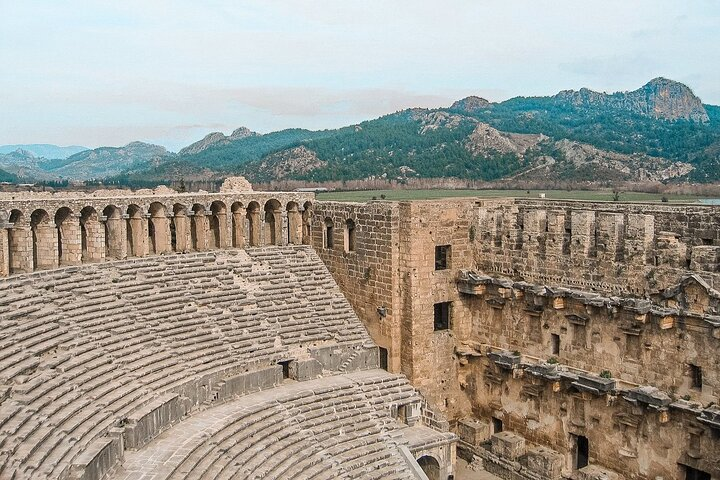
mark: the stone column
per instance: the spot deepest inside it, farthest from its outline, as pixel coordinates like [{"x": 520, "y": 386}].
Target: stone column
[
  {"x": 45, "y": 246},
  {"x": 295, "y": 233},
  {"x": 69, "y": 236},
  {"x": 20, "y": 250},
  {"x": 238, "y": 229},
  {"x": 4, "y": 252}
]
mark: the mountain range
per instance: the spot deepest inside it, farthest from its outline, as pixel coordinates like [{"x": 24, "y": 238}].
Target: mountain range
[{"x": 659, "y": 132}]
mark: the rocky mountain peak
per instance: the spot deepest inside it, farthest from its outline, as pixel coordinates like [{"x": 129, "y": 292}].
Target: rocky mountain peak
[
  {"x": 660, "y": 98},
  {"x": 216, "y": 138},
  {"x": 242, "y": 132},
  {"x": 470, "y": 104}
]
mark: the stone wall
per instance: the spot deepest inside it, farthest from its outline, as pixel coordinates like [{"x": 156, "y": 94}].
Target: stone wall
[
  {"x": 44, "y": 231},
  {"x": 367, "y": 274},
  {"x": 565, "y": 320},
  {"x": 629, "y": 249}
]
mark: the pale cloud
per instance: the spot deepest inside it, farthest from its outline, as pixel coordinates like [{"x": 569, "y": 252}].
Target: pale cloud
[{"x": 112, "y": 72}]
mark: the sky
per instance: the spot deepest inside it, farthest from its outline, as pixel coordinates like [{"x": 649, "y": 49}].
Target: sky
[{"x": 105, "y": 73}]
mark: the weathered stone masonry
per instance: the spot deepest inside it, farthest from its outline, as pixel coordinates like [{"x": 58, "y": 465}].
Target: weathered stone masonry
[
  {"x": 586, "y": 331},
  {"x": 46, "y": 231}
]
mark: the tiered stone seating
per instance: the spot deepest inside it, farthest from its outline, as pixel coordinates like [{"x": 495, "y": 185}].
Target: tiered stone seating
[
  {"x": 84, "y": 348},
  {"x": 331, "y": 428}
]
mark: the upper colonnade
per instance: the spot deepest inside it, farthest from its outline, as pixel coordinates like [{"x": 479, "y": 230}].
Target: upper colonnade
[{"x": 41, "y": 231}]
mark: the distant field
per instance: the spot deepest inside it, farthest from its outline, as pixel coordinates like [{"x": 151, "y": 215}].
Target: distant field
[{"x": 366, "y": 195}]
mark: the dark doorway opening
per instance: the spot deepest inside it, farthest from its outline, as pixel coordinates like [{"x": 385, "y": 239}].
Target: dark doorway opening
[
  {"x": 497, "y": 425},
  {"x": 383, "y": 358},
  {"x": 582, "y": 452},
  {"x": 695, "y": 474},
  {"x": 285, "y": 369}
]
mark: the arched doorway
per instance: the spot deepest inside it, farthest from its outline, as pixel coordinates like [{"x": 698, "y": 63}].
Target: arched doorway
[
  {"x": 218, "y": 225},
  {"x": 273, "y": 223},
  {"x": 198, "y": 228},
  {"x": 44, "y": 241},
  {"x": 430, "y": 466}
]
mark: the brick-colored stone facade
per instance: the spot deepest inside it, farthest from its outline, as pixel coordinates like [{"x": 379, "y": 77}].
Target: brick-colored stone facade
[{"x": 588, "y": 330}]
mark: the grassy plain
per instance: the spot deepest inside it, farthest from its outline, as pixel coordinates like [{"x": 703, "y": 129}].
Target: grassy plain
[{"x": 600, "y": 195}]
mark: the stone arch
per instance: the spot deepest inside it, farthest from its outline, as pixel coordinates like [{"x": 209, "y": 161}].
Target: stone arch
[
  {"x": 92, "y": 246},
  {"x": 430, "y": 466},
  {"x": 20, "y": 244},
  {"x": 158, "y": 229},
  {"x": 238, "y": 224},
  {"x": 253, "y": 216},
  {"x": 68, "y": 237},
  {"x": 273, "y": 223},
  {"x": 328, "y": 233},
  {"x": 294, "y": 230},
  {"x": 307, "y": 223},
  {"x": 218, "y": 225},
  {"x": 349, "y": 235},
  {"x": 136, "y": 233},
  {"x": 114, "y": 233},
  {"x": 179, "y": 229},
  {"x": 198, "y": 228},
  {"x": 44, "y": 241}
]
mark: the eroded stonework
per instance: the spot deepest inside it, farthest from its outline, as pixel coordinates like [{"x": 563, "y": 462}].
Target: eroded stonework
[{"x": 561, "y": 339}]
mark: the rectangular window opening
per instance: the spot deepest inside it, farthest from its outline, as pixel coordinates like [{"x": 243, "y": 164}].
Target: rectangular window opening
[
  {"x": 442, "y": 257},
  {"x": 555, "y": 343},
  {"x": 696, "y": 380},
  {"x": 442, "y": 316}
]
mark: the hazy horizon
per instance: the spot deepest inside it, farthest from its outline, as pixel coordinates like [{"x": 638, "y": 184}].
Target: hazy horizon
[{"x": 171, "y": 72}]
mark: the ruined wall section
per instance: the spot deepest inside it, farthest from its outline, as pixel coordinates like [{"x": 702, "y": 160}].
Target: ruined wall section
[
  {"x": 428, "y": 352},
  {"x": 367, "y": 275},
  {"x": 627, "y": 249}
]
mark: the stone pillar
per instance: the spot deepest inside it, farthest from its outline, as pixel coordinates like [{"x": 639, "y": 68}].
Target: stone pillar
[
  {"x": 583, "y": 235},
  {"x": 639, "y": 238},
  {"x": 45, "y": 246},
  {"x": 161, "y": 234},
  {"x": 295, "y": 232},
  {"x": 92, "y": 235},
  {"x": 610, "y": 237},
  {"x": 114, "y": 233},
  {"x": 222, "y": 230},
  {"x": 198, "y": 231},
  {"x": 69, "y": 238},
  {"x": 4, "y": 252},
  {"x": 254, "y": 227},
  {"x": 20, "y": 250},
  {"x": 238, "y": 229},
  {"x": 307, "y": 227}
]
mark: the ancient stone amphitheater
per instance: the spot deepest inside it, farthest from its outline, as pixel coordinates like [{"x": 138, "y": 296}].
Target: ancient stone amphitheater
[
  {"x": 185, "y": 336},
  {"x": 251, "y": 335}
]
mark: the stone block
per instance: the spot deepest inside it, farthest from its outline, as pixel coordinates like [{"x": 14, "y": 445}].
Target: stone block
[
  {"x": 593, "y": 472},
  {"x": 507, "y": 445},
  {"x": 545, "y": 462},
  {"x": 473, "y": 431}
]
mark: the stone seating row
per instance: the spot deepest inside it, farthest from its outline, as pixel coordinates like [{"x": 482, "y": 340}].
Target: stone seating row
[
  {"x": 96, "y": 351},
  {"x": 328, "y": 428}
]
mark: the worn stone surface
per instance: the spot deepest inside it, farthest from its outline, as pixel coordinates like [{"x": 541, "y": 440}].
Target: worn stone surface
[{"x": 567, "y": 320}]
